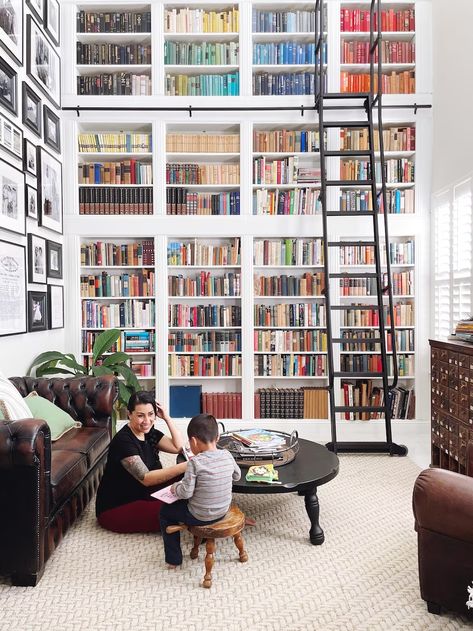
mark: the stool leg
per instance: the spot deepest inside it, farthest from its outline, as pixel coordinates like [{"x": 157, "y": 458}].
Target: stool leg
[
  {"x": 209, "y": 561},
  {"x": 195, "y": 549},
  {"x": 240, "y": 544}
]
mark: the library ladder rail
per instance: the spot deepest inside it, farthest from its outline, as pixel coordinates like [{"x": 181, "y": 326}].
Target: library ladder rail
[{"x": 368, "y": 102}]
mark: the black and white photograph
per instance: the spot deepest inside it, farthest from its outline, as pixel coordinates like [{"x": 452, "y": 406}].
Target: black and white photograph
[
  {"x": 8, "y": 87},
  {"x": 43, "y": 62},
  {"x": 53, "y": 259},
  {"x": 29, "y": 158},
  {"x": 37, "y": 8},
  {"x": 31, "y": 201},
  {"x": 11, "y": 28},
  {"x": 31, "y": 109},
  {"x": 12, "y": 288},
  {"x": 52, "y": 129},
  {"x": 11, "y": 137},
  {"x": 36, "y": 259},
  {"x": 56, "y": 306},
  {"x": 12, "y": 198},
  {"x": 52, "y": 19},
  {"x": 37, "y": 311},
  {"x": 49, "y": 191}
]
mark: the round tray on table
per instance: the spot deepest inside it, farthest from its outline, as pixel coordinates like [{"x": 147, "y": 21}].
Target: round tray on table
[{"x": 281, "y": 448}]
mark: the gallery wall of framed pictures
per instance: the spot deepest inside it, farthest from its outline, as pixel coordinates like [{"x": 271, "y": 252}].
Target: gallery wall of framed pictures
[{"x": 31, "y": 192}]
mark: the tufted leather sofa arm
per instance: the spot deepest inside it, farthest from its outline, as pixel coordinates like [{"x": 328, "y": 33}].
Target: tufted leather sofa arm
[
  {"x": 89, "y": 400},
  {"x": 24, "y": 443}
]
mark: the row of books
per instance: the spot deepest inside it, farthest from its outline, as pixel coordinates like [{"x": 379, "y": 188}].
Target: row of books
[
  {"x": 203, "y": 84},
  {"x": 394, "y": 139},
  {"x": 400, "y": 253},
  {"x": 366, "y": 393},
  {"x": 222, "y": 404},
  {"x": 128, "y": 342},
  {"x": 404, "y": 341},
  {"x": 283, "y": 171},
  {"x": 299, "y": 21},
  {"x": 201, "y": 53},
  {"x": 359, "y": 316},
  {"x": 391, "y": 83},
  {"x": 192, "y": 173},
  {"x": 284, "y": 53},
  {"x": 204, "y": 341},
  {"x": 392, "y": 52},
  {"x": 123, "y": 172},
  {"x": 299, "y": 201},
  {"x": 117, "y": 285},
  {"x": 284, "y": 341},
  {"x": 105, "y": 200},
  {"x": 402, "y": 285},
  {"x": 401, "y": 170},
  {"x": 180, "y": 201},
  {"x": 114, "y": 83},
  {"x": 111, "y": 54},
  {"x": 113, "y": 22},
  {"x": 290, "y": 365},
  {"x": 197, "y": 253},
  {"x": 397, "y": 20},
  {"x": 296, "y": 314},
  {"x": 186, "y": 20},
  {"x": 283, "y": 83},
  {"x": 115, "y": 142},
  {"x": 373, "y": 363},
  {"x": 204, "y": 365},
  {"x": 290, "y": 251},
  {"x": 102, "y": 253},
  {"x": 286, "y": 140},
  {"x": 203, "y": 142},
  {"x": 205, "y": 284},
  {"x": 130, "y": 313},
  {"x": 143, "y": 367},
  {"x": 398, "y": 202},
  {"x": 291, "y": 403},
  {"x": 204, "y": 315},
  {"x": 307, "y": 284}
]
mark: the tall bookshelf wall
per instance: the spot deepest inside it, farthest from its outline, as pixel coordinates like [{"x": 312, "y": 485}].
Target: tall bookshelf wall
[{"x": 258, "y": 175}]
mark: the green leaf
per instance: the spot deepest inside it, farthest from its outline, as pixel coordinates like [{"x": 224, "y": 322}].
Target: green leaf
[
  {"x": 116, "y": 358},
  {"x": 71, "y": 362},
  {"x": 104, "y": 342},
  {"x": 52, "y": 370},
  {"x": 99, "y": 371},
  {"x": 129, "y": 376},
  {"x": 44, "y": 358},
  {"x": 124, "y": 393}
]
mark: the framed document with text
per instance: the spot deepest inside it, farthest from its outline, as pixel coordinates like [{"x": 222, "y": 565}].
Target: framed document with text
[{"x": 12, "y": 288}]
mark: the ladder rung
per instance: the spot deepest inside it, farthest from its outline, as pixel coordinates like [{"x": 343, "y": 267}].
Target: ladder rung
[
  {"x": 368, "y": 447},
  {"x": 345, "y": 123},
  {"x": 359, "y": 408},
  {"x": 346, "y": 307},
  {"x": 349, "y": 340},
  {"x": 353, "y": 275},
  {"x": 349, "y": 183},
  {"x": 349, "y": 213},
  {"x": 347, "y": 153},
  {"x": 357, "y": 375},
  {"x": 336, "y": 244}
]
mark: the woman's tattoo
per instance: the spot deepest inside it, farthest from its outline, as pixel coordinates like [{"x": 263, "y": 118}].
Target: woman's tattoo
[{"x": 135, "y": 466}]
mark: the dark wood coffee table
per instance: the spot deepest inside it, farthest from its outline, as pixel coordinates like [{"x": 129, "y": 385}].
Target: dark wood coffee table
[{"x": 313, "y": 466}]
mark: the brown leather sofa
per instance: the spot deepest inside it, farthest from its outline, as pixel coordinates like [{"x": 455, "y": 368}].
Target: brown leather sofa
[
  {"x": 443, "y": 510},
  {"x": 45, "y": 486}
]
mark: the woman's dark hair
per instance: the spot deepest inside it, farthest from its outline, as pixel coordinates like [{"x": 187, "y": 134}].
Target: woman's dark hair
[
  {"x": 203, "y": 427},
  {"x": 142, "y": 398}
]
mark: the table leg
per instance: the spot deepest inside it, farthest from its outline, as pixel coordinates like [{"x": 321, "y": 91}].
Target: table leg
[{"x": 316, "y": 533}]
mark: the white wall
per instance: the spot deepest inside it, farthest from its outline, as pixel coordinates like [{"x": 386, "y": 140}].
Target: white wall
[
  {"x": 453, "y": 91},
  {"x": 17, "y": 351}
]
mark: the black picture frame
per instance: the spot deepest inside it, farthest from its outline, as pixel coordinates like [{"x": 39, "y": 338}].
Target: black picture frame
[
  {"x": 37, "y": 271},
  {"x": 13, "y": 288},
  {"x": 43, "y": 63},
  {"x": 30, "y": 160},
  {"x": 31, "y": 114},
  {"x": 31, "y": 201},
  {"x": 11, "y": 29},
  {"x": 37, "y": 9},
  {"x": 49, "y": 191},
  {"x": 52, "y": 20},
  {"x": 37, "y": 311},
  {"x": 55, "y": 310},
  {"x": 53, "y": 259},
  {"x": 8, "y": 87},
  {"x": 11, "y": 137},
  {"x": 12, "y": 198},
  {"x": 51, "y": 129}
]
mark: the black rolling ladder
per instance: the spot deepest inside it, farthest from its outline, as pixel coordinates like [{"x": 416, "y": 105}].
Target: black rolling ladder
[{"x": 366, "y": 102}]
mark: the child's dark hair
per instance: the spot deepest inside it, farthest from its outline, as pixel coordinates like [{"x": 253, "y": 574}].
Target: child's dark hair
[
  {"x": 142, "y": 398},
  {"x": 203, "y": 427}
]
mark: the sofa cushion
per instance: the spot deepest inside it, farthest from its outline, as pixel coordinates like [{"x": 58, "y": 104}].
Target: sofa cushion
[
  {"x": 14, "y": 405},
  {"x": 68, "y": 468},
  {"x": 90, "y": 441},
  {"x": 59, "y": 421}
]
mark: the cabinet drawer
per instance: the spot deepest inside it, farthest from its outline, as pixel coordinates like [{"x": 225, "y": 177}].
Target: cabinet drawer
[
  {"x": 463, "y": 374},
  {"x": 452, "y": 358},
  {"x": 434, "y": 353},
  {"x": 453, "y": 427},
  {"x": 462, "y": 432},
  {"x": 463, "y": 408},
  {"x": 443, "y": 379},
  {"x": 464, "y": 388},
  {"x": 443, "y": 355},
  {"x": 462, "y": 452},
  {"x": 463, "y": 361}
]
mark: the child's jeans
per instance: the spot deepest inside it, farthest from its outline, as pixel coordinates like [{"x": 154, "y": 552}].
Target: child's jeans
[{"x": 171, "y": 515}]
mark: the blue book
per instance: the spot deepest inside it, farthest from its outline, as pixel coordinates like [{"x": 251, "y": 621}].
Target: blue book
[{"x": 184, "y": 401}]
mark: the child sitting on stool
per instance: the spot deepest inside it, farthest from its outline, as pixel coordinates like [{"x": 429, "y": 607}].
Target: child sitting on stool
[{"x": 205, "y": 491}]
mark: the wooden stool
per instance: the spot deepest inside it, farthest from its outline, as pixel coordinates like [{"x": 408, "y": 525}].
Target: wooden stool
[{"x": 230, "y": 525}]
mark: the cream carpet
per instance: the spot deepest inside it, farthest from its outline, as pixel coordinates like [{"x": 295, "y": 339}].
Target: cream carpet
[{"x": 364, "y": 577}]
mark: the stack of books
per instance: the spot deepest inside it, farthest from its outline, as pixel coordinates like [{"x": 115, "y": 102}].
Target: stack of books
[{"x": 464, "y": 330}]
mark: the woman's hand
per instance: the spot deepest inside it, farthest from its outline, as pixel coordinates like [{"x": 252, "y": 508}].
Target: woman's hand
[{"x": 174, "y": 444}]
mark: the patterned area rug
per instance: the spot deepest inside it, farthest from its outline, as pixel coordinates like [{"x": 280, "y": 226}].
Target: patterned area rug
[{"x": 364, "y": 577}]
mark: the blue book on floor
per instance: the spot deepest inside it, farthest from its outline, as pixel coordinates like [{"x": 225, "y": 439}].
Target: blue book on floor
[{"x": 184, "y": 401}]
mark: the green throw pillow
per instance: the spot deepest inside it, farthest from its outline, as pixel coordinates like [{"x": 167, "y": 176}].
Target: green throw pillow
[{"x": 59, "y": 421}]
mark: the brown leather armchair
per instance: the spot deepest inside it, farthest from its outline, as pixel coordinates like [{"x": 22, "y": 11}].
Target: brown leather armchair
[
  {"x": 45, "y": 486},
  {"x": 443, "y": 510}
]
